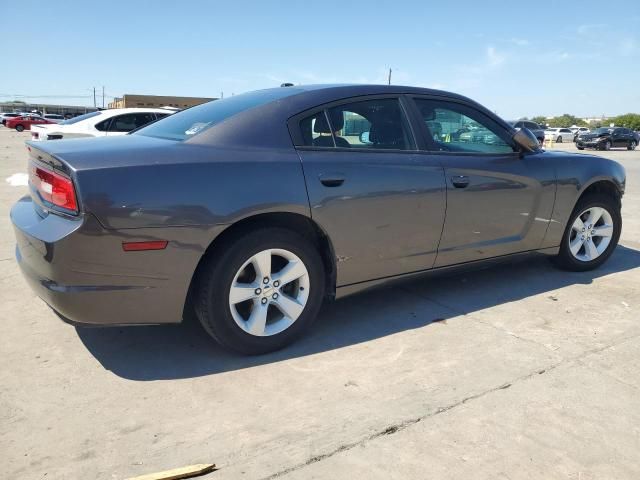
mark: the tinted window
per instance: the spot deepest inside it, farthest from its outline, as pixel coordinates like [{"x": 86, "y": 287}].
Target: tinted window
[
  {"x": 370, "y": 124},
  {"x": 316, "y": 131},
  {"x": 103, "y": 126},
  {"x": 161, "y": 115},
  {"x": 79, "y": 118},
  {"x": 532, "y": 126},
  {"x": 565, "y": 130},
  {"x": 187, "y": 123},
  {"x": 130, "y": 121},
  {"x": 457, "y": 128}
]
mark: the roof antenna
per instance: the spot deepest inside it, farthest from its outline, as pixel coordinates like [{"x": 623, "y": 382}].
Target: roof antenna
[{"x": 389, "y": 79}]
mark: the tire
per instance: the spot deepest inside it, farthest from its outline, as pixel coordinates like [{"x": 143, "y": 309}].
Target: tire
[
  {"x": 19, "y": 128},
  {"x": 224, "y": 320},
  {"x": 559, "y": 140},
  {"x": 632, "y": 145},
  {"x": 580, "y": 148},
  {"x": 606, "y": 145},
  {"x": 565, "y": 258}
]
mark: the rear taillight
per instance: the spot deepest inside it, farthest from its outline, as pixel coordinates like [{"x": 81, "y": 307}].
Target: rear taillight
[{"x": 53, "y": 188}]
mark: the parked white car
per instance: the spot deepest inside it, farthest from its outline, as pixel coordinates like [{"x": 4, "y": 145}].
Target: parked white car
[
  {"x": 558, "y": 135},
  {"x": 54, "y": 117},
  {"x": 579, "y": 130},
  {"x": 117, "y": 121}
]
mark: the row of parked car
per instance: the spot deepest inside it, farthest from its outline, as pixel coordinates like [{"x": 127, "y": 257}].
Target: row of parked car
[
  {"x": 118, "y": 121},
  {"x": 603, "y": 138}
]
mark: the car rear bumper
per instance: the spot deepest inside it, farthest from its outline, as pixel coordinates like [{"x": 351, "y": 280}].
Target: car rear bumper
[{"x": 81, "y": 271}]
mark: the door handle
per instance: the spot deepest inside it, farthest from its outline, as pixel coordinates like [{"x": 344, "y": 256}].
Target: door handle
[
  {"x": 332, "y": 179},
  {"x": 460, "y": 181}
]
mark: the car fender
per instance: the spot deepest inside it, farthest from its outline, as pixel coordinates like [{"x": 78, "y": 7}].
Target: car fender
[{"x": 575, "y": 173}]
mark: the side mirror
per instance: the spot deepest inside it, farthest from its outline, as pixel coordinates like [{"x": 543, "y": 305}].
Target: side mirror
[
  {"x": 527, "y": 140},
  {"x": 364, "y": 137}
]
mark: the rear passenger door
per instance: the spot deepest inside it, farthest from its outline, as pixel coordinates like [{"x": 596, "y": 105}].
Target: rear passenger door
[
  {"x": 498, "y": 202},
  {"x": 380, "y": 201}
]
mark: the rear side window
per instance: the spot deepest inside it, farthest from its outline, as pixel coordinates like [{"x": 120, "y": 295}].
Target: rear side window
[
  {"x": 79, "y": 118},
  {"x": 187, "y": 123},
  {"x": 131, "y": 121},
  {"x": 371, "y": 124}
]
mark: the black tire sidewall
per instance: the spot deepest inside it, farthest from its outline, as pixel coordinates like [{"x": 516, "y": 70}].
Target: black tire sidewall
[
  {"x": 214, "y": 311},
  {"x": 19, "y": 128},
  {"x": 565, "y": 257}
]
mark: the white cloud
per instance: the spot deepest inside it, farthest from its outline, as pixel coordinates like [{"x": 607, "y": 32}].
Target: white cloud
[
  {"x": 591, "y": 28},
  {"x": 627, "y": 47},
  {"x": 494, "y": 58},
  {"x": 521, "y": 42}
]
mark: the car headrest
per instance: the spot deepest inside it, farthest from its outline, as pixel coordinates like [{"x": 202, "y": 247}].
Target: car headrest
[
  {"x": 337, "y": 121},
  {"x": 386, "y": 134}
]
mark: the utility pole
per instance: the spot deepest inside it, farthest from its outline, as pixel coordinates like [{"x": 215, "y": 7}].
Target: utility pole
[
  {"x": 94, "y": 97},
  {"x": 389, "y": 80},
  {"x": 103, "y": 96}
]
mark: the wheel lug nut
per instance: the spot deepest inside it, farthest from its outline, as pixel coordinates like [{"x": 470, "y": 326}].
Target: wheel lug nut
[
  {"x": 265, "y": 280},
  {"x": 264, "y": 301},
  {"x": 276, "y": 283},
  {"x": 274, "y": 296},
  {"x": 583, "y": 229},
  {"x": 258, "y": 291}
]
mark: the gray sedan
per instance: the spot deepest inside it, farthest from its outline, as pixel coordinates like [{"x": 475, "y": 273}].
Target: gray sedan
[{"x": 252, "y": 210}]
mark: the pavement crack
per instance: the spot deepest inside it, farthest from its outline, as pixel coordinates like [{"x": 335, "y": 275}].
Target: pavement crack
[{"x": 395, "y": 428}]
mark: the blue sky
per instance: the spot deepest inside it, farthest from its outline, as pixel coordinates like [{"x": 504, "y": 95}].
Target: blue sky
[{"x": 517, "y": 58}]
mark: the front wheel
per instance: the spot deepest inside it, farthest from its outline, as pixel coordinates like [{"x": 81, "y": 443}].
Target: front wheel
[
  {"x": 632, "y": 145},
  {"x": 591, "y": 235},
  {"x": 559, "y": 139},
  {"x": 259, "y": 293},
  {"x": 19, "y": 128},
  {"x": 606, "y": 145},
  {"x": 580, "y": 148}
]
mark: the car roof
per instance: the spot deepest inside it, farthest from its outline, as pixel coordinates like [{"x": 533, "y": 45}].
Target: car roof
[{"x": 301, "y": 98}]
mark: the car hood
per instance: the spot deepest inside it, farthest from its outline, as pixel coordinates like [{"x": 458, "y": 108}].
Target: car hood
[{"x": 591, "y": 136}]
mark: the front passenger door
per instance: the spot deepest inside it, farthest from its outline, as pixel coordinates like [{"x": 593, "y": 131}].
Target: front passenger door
[{"x": 498, "y": 201}]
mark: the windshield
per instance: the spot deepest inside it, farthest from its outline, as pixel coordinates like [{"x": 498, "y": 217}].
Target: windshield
[
  {"x": 186, "y": 124},
  {"x": 73, "y": 120},
  {"x": 602, "y": 130}
]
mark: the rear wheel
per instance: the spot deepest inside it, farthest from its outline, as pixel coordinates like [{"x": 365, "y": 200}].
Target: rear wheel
[
  {"x": 559, "y": 139},
  {"x": 261, "y": 292},
  {"x": 632, "y": 145},
  {"x": 19, "y": 128},
  {"x": 580, "y": 148},
  {"x": 592, "y": 233}
]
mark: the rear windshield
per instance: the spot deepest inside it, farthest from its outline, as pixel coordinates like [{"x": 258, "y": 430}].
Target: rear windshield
[
  {"x": 190, "y": 122},
  {"x": 73, "y": 120}
]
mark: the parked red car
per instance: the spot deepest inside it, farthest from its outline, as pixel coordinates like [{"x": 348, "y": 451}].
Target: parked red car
[{"x": 25, "y": 122}]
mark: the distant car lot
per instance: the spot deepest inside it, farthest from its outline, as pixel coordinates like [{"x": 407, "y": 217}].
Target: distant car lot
[{"x": 498, "y": 374}]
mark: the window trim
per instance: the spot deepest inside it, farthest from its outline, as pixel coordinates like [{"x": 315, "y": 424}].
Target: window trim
[
  {"x": 293, "y": 124},
  {"x": 430, "y": 144}
]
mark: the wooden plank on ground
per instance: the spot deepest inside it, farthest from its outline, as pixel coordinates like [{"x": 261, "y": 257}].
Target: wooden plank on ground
[{"x": 178, "y": 473}]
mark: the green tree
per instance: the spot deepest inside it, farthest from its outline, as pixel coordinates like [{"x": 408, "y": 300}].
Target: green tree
[
  {"x": 629, "y": 120},
  {"x": 540, "y": 120},
  {"x": 566, "y": 120}
]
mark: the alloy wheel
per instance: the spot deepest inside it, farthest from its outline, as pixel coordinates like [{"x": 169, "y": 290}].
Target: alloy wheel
[
  {"x": 591, "y": 234},
  {"x": 607, "y": 145},
  {"x": 269, "y": 292}
]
